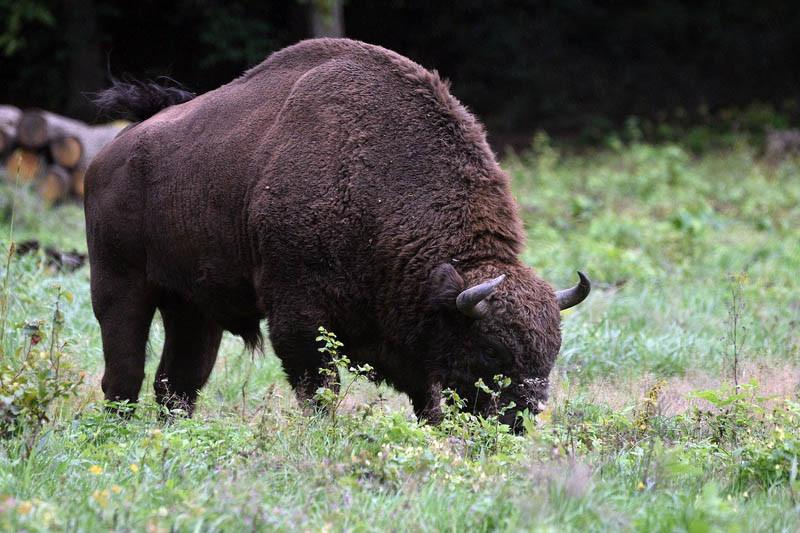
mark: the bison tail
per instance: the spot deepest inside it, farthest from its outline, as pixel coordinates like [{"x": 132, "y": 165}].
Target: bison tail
[{"x": 138, "y": 100}]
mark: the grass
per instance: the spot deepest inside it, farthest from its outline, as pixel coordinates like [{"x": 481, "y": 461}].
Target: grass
[{"x": 644, "y": 430}]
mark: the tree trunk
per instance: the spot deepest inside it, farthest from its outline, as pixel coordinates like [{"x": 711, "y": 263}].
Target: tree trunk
[
  {"x": 86, "y": 72},
  {"x": 327, "y": 18}
]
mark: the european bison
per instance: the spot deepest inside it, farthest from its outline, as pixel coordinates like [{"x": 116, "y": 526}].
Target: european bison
[{"x": 336, "y": 184}]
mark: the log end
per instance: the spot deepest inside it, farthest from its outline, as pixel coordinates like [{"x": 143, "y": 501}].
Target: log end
[
  {"x": 24, "y": 166},
  {"x": 66, "y": 151},
  {"x": 32, "y": 130},
  {"x": 54, "y": 186}
]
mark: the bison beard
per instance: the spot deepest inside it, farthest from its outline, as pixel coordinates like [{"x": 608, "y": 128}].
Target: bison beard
[{"x": 336, "y": 184}]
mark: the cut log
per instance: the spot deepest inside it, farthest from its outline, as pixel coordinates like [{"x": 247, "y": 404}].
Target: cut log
[
  {"x": 32, "y": 130},
  {"x": 9, "y": 117},
  {"x": 54, "y": 185},
  {"x": 51, "y": 127},
  {"x": 77, "y": 182},
  {"x": 93, "y": 140},
  {"x": 66, "y": 151},
  {"x": 24, "y": 165},
  {"x": 7, "y": 138},
  {"x": 71, "y": 145}
]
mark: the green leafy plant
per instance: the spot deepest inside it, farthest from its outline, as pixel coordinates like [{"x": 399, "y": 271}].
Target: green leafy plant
[
  {"x": 333, "y": 394},
  {"x": 33, "y": 374},
  {"x": 735, "y": 408},
  {"x": 478, "y": 433},
  {"x": 34, "y": 377}
]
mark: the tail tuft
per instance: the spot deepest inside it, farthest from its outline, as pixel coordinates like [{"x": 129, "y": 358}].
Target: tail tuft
[{"x": 138, "y": 100}]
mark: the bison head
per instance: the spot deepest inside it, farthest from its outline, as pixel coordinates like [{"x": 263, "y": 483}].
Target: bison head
[{"x": 499, "y": 321}]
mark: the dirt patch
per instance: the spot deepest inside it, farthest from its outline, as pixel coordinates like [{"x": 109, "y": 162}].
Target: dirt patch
[{"x": 775, "y": 381}]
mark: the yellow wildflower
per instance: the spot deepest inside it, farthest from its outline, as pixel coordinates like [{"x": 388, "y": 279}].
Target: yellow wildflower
[
  {"x": 96, "y": 470},
  {"x": 101, "y": 497},
  {"x": 640, "y": 486},
  {"x": 116, "y": 489},
  {"x": 134, "y": 468},
  {"x": 24, "y": 507}
]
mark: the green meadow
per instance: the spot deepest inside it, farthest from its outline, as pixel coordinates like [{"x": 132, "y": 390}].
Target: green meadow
[{"x": 674, "y": 405}]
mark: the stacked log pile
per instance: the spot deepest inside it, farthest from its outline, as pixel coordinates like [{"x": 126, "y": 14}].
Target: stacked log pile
[{"x": 50, "y": 151}]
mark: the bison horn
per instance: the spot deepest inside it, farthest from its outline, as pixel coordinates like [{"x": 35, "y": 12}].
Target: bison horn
[
  {"x": 471, "y": 301},
  {"x": 575, "y": 295}
]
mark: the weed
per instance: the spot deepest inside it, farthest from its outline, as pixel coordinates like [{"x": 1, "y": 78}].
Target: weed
[
  {"x": 736, "y": 329},
  {"x": 332, "y": 396}
]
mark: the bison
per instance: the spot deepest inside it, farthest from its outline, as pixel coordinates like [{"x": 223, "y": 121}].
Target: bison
[{"x": 336, "y": 184}]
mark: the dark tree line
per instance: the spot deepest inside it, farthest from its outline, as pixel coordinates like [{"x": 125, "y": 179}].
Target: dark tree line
[{"x": 520, "y": 64}]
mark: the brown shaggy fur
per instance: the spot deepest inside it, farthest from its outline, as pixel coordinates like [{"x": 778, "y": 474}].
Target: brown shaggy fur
[{"x": 336, "y": 184}]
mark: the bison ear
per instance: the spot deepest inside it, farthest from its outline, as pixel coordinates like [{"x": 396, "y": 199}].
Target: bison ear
[{"x": 445, "y": 286}]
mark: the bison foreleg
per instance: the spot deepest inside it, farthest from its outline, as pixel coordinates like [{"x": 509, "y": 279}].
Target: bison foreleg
[
  {"x": 294, "y": 342},
  {"x": 306, "y": 382},
  {"x": 427, "y": 403}
]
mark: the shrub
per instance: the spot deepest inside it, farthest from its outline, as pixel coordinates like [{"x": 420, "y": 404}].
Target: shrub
[{"x": 34, "y": 376}]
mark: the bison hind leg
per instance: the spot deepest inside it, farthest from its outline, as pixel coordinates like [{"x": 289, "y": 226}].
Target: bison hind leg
[
  {"x": 190, "y": 350},
  {"x": 124, "y": 305}
]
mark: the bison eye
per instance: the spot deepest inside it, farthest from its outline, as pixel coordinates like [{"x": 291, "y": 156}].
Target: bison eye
[{"x": 492, "y": 355}]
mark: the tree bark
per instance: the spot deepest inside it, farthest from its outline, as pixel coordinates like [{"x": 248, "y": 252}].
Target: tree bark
[
  {"x": 9, "y": 115},
  {"x": 9, "y": 118}
]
